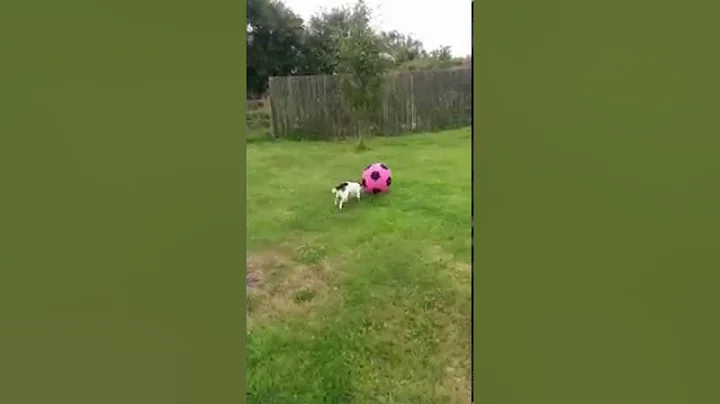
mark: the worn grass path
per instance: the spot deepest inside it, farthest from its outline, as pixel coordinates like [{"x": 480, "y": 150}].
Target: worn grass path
[{"x": 366, "y": 305}]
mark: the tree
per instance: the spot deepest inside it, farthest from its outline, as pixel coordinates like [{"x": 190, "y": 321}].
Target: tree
[
  {"x": 324, "y": 32},
  {"x": 403, "y": 48},
  {"x": 362, "y": 66},
  {"x": 279, "y": 43},
  {"x": 275, "y": 43},
  {"x": 442, "y": 53}
]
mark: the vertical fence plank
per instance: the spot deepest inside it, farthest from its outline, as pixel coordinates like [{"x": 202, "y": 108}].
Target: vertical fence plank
[{"x": 420, "y": 101}]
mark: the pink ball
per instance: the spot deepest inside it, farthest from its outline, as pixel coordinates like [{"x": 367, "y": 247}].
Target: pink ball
[{"x": 376, "y": 178}]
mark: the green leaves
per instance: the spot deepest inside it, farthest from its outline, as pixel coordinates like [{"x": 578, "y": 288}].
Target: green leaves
[
  {"x": 275, "y": 45},
  {"x": 338, "y": 40},
  {"x": 362, "y": 65}
]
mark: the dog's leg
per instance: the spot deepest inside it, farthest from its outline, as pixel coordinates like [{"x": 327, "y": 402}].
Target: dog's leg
[
  {"x": 358, "y": 195},
  {"x": 343, "y": 200}
]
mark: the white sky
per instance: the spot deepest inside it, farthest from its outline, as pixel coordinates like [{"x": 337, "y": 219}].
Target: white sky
[{"x": 447, "y": 22}]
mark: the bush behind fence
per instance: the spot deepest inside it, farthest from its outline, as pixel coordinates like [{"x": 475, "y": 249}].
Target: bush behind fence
[{"x": 311, "y": 107}]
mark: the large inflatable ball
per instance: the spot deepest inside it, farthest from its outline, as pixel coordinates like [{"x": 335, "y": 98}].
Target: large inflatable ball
[{"x": 376, "y": 178}]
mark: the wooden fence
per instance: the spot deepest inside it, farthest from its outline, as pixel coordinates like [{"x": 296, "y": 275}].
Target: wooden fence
[{"x": 311, "y": 107}]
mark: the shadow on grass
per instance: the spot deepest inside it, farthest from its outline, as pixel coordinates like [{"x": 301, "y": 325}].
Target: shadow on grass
[{"x": 259, "y": 139}]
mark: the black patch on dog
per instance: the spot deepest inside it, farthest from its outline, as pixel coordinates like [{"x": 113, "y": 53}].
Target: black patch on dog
[
  {"x": 389, "y": 180},
  {"x": 341, "y": 186},
  {"x": 375, "y": 175},
  {"x": 376, "y": 190},
  {"x": 383, "y": 166}
]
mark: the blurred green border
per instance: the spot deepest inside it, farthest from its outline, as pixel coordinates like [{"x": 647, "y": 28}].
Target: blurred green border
[
  {"x": 122, "y": 206},
  {"x": 596, "y": 204}
]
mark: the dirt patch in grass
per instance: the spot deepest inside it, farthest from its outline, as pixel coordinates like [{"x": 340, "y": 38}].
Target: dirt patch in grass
[
  {"x": 462, "y": 269},
  {"x": 279, "y": 286},
  {"x": 454, "y": 385}
]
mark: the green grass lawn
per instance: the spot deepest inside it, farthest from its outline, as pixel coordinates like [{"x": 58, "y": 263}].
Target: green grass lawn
[{"x": 370, "y": 304}]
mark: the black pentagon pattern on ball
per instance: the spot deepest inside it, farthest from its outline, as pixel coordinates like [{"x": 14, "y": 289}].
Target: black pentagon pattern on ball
[
  {"x": 364, "y": 184},
  {"x": 375, "y": 175},
  {"x": 389, "y": 180},
  {"x": 376, "y": 190},
  {"x": 384, "y": 166},
  {"x": 369, "y": 165}
]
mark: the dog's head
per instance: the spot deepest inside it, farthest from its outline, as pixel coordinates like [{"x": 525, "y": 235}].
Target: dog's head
[{"x": 340, "y": 187}]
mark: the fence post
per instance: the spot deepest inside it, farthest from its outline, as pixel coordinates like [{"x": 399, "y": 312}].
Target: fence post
[
  {"x": 413, "y": 122},
  {"x": 273, "y": 114},
  {"x": 326, "y": 111}
]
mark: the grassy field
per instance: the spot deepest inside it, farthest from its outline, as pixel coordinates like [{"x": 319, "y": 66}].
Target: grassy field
[{"x": 370, "y": 304}]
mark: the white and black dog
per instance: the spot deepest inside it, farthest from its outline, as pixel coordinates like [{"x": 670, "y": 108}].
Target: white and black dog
[{"x": 346, "y": 190}]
